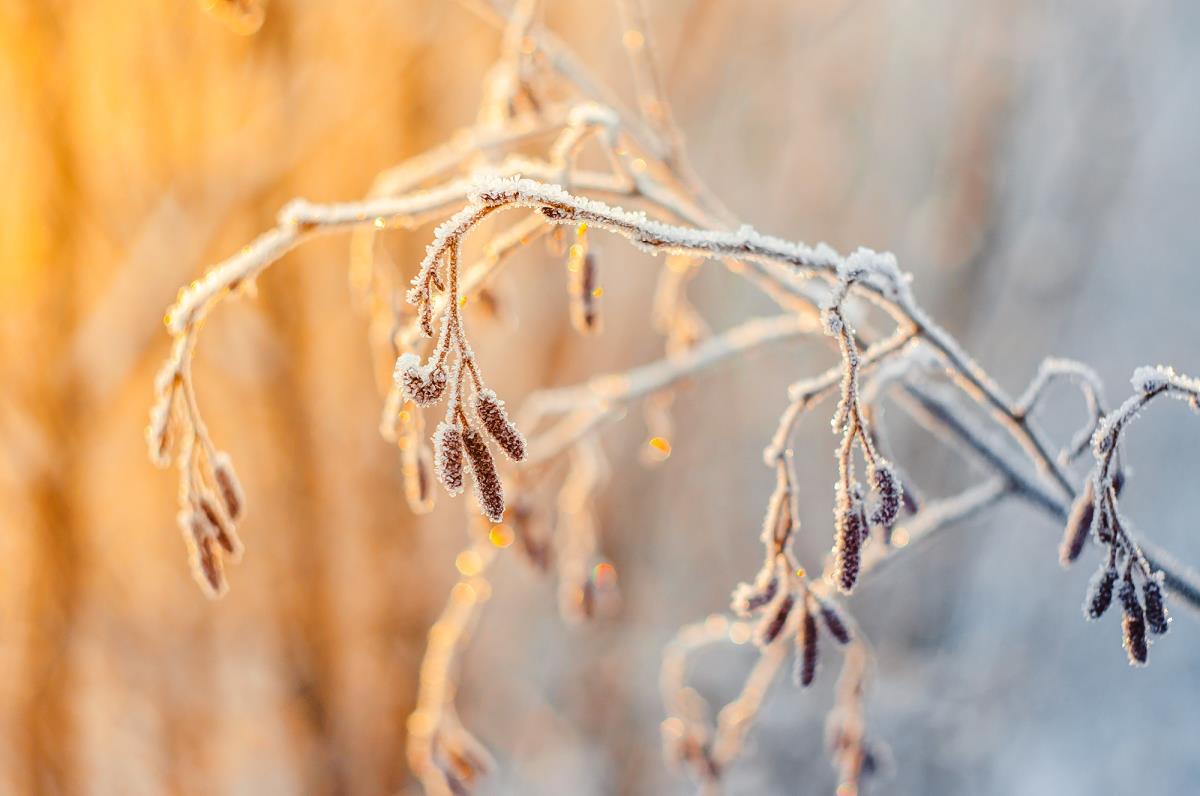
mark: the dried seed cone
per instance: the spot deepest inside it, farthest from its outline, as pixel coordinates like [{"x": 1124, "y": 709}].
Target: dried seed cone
[
  {"x": 1079, "y": 525},
  {"x": 889, "y": 490},
  {"x": 1100, "y": 592},
  {"x": 773, "y": 625},
  {"x": 488, "y": 489},
  {"x": 1133, "y": 625},
  {"x": 806, "y": 650},
  {"x": 1156, "y": 611},
  {"x": 495, "y": 421},
  {"x": 834, "y": 623},
  {"x": 421, "y": 384},
  {"x": 448, "y": 457}
]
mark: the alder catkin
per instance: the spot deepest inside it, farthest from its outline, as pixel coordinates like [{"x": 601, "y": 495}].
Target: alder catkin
[
  {"x": 1156, "y": 612},
  {"x": 228, "y": 486},
  {"x": 495, "y": 421},
  {"x": 222, "y": 528},
  {"x": 834, "y": 623},
  {"x": 1133, "y": 625},
  {"x": 488, "y": 489},
  {"x": 888, "y": 490},
  {"x": 774, "y": 624},
  {"x": 416, "y": 469},
  {"x": 421, "y": 384},
  {"x": 1079, "y": 525},
  {"x": 1100, "y": 592},
  {"x": 585, "y": 316},
  {"x": 749, "y": 597},
  {"x": 448, "y": 457},
  {"x": 851, "y": 526},
  {"x": 806, "y": 649},
  {"x": 206, "y": 561}
]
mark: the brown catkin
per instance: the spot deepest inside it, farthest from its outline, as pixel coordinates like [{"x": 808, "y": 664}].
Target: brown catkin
[
  {"x": 1100, "y": 592},
  {"x": 417, "y": 470},
  {"x": 1133, "y": 625},
  {"x": 834, "y": 623},
  {"x": 770, "y": 629},
  {"x": 228, "y": 486},
  {"x": 806, "y": 649},
  {"x": 495, "y": 421},
  {"x": 749, "y": 599},
  {"x": 1079, "y": 525},
  {"x": 488, "y": 489},
  {"x": 423, "y": 385},
  {"x": 851, "y": 526},
  {"x": 206, "y": 561},
  {"x": 585, "y": 316},
  {"x": 222, "y": 528},
  {"x": 1156, "y": 611},
  {"x": 888, "y": 489},
  {"x": 448, "y": 457}
]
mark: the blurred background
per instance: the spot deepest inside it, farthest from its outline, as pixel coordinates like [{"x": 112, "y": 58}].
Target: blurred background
[{"x": 1033, "y": 164}]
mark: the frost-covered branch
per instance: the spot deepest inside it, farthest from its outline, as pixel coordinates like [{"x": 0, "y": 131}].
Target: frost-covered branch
[{"x": 539, "y": 96}]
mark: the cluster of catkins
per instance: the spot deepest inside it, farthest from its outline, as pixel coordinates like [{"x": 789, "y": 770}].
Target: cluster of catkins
[
  {"x": 853, "y": 523},
  {"x": 208, "y": 520},
  {"x": 1098, "y": 517},
  {"x": 775, "y": 604},
  {"x": 457, "y": 442}
]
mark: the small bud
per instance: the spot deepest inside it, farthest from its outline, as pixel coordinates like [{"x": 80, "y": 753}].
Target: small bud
[
  {"x": 806, "y": 649},
  {"x": 1133, "y": 625},
  {"x": 495, "y": 420},
  {"x": 1156, "y": 611},
  {"x": 889, "y": 490},
  {"x": 448, "y": 457},
  {"x": 1151, "y": 379},
  {"x": 773, "y": 625},
  {"x": 421, "y": 384},
  {"x": 1079, "y": 525},
  {"x": 1100, "y": 592},
  {"x": 488, "y": 489}
]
